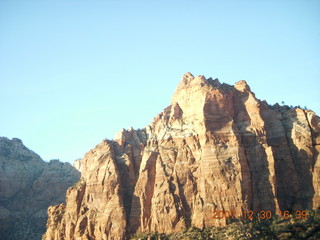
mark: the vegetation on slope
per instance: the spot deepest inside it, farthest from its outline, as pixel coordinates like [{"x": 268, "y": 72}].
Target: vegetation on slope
[{"x": 239, "y": 229}]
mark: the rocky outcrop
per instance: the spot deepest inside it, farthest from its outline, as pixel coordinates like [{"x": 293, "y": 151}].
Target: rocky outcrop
[
  {"x": 215, "y": 148},
  {"x": 28, "y": 186}
]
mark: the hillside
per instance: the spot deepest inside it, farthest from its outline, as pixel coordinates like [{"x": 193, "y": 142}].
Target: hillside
[{"x": 28, "y": 186}]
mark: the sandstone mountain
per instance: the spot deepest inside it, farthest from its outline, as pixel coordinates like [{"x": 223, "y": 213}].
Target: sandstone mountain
[
  {"x": 28, "y": 186},
  {"x": 216, "y": 147}
]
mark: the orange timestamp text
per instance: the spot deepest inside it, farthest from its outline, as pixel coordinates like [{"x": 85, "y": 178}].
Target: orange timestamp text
[{"x": 259, "y": 215}]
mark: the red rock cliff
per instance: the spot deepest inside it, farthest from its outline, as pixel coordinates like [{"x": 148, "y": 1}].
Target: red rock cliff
[{"x": 216, "y": 147}]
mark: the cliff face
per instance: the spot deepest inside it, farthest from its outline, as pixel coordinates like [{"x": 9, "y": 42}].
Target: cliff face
[
  {"x": 216, "y": 147},
  {"x": 28, "y": 186}
]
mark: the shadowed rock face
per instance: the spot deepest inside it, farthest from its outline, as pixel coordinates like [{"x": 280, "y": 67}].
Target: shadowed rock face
[
  {"x": 28, "y": 186},
  {"x": 216, "y": 147}
]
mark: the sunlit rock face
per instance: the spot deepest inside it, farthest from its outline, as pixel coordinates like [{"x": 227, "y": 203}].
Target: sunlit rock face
[
  {"x": 28, "y": 186},
  {"x": 215, "y": 148}
]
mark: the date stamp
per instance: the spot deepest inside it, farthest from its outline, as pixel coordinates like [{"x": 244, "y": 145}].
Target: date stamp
[{"x": 259, "y": 215}]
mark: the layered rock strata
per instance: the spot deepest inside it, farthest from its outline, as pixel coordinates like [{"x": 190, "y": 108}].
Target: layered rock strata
[
  {"x": 28, "y": 186},
  {"x": 215, "y": 148}
]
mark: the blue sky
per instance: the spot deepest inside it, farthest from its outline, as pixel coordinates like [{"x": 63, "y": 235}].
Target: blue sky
[{"x": 75, "y": 72}]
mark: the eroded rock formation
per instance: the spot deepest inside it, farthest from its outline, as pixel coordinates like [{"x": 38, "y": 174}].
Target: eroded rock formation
[
  {"x": 28, "y": 186},
  {"x": 216, "y": 147}
]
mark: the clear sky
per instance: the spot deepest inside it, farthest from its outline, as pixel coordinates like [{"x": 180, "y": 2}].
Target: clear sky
[{"x": 75, "y": 72}]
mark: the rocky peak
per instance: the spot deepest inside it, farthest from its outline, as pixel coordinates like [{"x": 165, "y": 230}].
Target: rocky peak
[
  {"x": 214, "y": 82},
  {"x": 189, "y": 81},
  {"x": 14, "y": 149},
  {"x": 187, "y": 77},
  {"x": 242, "y": 86},
  {"x": 215, "y": 148}
]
